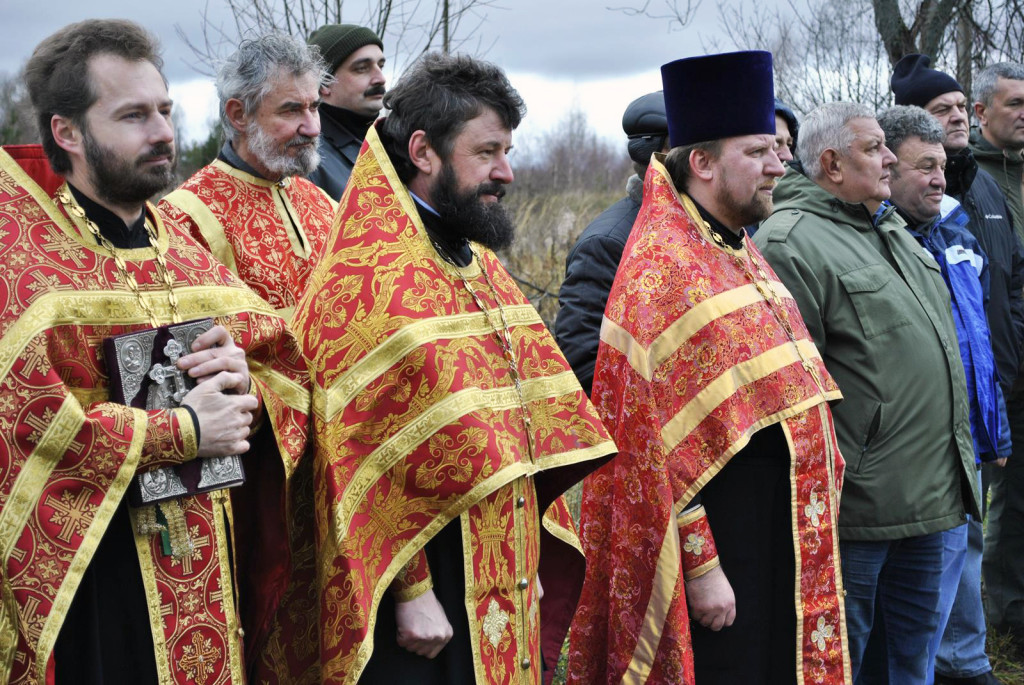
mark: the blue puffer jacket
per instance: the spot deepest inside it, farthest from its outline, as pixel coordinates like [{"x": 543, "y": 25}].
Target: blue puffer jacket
[{"x": 965, "y": 270}]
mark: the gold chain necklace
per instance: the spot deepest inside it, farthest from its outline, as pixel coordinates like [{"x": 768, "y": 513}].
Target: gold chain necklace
[
  {"x": 764, "y": 286},
  {"x": 74, "y": 209},
  {"x": 504, "y": 336}
]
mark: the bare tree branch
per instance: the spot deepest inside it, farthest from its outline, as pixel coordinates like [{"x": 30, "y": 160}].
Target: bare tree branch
[
  {"x": 407, "y": 27},
  {"x": 827, "y": 50},
  {"x": 677, "y": 15}
]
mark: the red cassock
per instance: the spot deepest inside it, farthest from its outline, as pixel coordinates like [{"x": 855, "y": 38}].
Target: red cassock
[
  {"x": 67, "y": 454},
  {"x": 269, "y": 233},
  {"x": 418, "y": 422},
  {"x": 701, "y": 346}
]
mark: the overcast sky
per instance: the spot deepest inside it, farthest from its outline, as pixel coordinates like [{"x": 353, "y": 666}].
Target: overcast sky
[{"x": 556, "y": 52}]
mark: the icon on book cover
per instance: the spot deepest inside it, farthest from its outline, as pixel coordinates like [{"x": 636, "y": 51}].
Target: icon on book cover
[{"x": 144, "y": 374}]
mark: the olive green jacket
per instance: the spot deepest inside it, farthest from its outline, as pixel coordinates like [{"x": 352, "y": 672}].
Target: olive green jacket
[
  {"x": 1007, "y": 170},
  {"x": 876, "y": 306}
]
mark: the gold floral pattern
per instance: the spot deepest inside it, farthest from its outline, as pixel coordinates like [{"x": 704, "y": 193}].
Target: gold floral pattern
[
  {"x": 822, "y": 633},
  {"x": 694, "y": 544},
  {"x": 494, "y": 623},
  {"x": 69, "y": 454},
  {"x": 693, "y": 360}
]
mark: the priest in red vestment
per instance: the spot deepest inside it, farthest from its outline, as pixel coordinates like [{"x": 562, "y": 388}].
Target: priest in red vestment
[
  {"x": 252, "y": 206},
  {"x": 446, "y": 421},
  {"x": 711, "y": 544},
  {"x": 92, "y": 589}
]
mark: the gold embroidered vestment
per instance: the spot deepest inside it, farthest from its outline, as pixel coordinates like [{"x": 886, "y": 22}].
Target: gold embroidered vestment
[
  {"x": 417, "y": 422},
  {"x": 68, "y": 453}
]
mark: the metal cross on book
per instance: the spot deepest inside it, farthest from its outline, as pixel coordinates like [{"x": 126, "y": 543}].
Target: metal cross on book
[
  {"x": 144, "y": 373},
  {"x": 161, "y": 373}
]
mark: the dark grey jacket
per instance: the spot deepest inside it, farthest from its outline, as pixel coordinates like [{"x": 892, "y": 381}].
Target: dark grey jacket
[
  {"x": 991, "y": 223},
  {"x": 339, "y": 148},
  {"x": 589, "y": 272},
  {"x": 1007, "y": 170}
]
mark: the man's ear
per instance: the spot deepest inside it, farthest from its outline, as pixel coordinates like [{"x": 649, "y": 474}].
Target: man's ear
[
  {"x": 701, "y": 164},
  {"x": 234, "y": 109},
  {"x": 832, "y": 166},
  {"x": 67, "y": 135},
  {"x": 979, "y": 114},
  {"x": 422, "y": 155}
]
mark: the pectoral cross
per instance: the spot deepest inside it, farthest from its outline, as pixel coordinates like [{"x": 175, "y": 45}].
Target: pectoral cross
[{"x": 161, "y": 373}]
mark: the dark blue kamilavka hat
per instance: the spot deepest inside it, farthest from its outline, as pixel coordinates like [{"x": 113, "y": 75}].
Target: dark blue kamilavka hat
[{"x": 719, "y": 96}]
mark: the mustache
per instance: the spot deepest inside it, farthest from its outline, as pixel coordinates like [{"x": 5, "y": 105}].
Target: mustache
[
  {"x": 301, "y": 140},
  {"x": 491, "y": 188},
  {"x": 158, "y": 151},
  {"x": 374, "y": 90}
]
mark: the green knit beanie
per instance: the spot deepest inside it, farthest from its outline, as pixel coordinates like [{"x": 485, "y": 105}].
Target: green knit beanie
[{"x": 338, "y": 41}]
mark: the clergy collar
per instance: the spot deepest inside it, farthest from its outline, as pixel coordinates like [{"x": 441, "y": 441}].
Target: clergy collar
[
  {"x": 356, "y": 124},
  {"x": 229, "y": 156},
  {"x": 455, "y": 250},
  {"x": 728, "y": 237},
  {"x": 111, "y": 226}
]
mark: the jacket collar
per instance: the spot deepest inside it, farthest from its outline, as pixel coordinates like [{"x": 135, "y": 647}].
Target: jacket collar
[{"x": 986, "y": 150}]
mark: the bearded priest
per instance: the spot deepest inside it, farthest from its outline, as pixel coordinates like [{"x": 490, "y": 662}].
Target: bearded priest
[
  {"x": 446, "y": 421},
  {"x": 252, "y": 206},
  {"x": 119, "y": 541},
  {"x": 711, "y": 540}
]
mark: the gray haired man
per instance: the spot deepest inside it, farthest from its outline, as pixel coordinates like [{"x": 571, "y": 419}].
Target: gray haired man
[
  {"x": 879, "y": 313},
  {"x": 961, "y": 656},
  {"x": 998, "y": 142},
  {"x": 935, "y": 221},
  {"x": 251, "y": 206}
]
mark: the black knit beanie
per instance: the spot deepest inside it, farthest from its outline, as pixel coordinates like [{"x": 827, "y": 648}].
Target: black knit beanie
[
  {"x": 913, "y": 83},
  {"x": 338, "y": 41}
]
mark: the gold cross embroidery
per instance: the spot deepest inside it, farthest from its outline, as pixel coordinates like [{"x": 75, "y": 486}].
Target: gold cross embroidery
[
  {"x": 197, "y": 554},
  {"x": 73, "y": 513},
  {"x": 41, "y": 424},
  {"x": 199, "y": 659}
]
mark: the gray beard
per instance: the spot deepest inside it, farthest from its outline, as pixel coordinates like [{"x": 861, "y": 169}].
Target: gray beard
[{"x": 276, "y": 159}]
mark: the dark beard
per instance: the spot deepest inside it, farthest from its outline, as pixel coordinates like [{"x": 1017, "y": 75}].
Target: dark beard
[
  {"x": 463, "y": 215},
  {"x": 754, "y": 210},
  {"x": 121, "y": 182}
]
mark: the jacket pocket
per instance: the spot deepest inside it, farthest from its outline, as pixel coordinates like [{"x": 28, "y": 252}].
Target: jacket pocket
[
  {"x": 876, "y": 299},
  {"x": 871, "y": 423}
]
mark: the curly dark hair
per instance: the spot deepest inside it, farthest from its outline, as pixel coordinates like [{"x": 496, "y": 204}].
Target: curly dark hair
[
  {"x": 439, "y": 94},
  {"x": 57, "y": 74}
]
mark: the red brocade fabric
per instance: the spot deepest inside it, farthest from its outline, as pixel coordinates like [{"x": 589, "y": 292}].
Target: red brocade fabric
[
  {"x": 418, "y": 422},
  {"x": 67, "y": 454},
  {"x": 270, "y": 234},
  {"x": 701, "y": 347}
]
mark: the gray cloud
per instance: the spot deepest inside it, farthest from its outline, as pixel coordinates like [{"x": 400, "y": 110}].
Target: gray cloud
[{"x": 563, "y": 39}]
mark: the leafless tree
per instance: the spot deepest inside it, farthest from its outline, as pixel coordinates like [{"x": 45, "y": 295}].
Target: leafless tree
[
  {"x": 824, "y": 50},
  {"x": 407, "y": 27},
  {"x": 678, "y": 14},
  {"x": 564, "y": 178},
  {"x": 571, "y": 157},
  {"x": 827, "y": 50},
  {"x": 17, "y": 121}
]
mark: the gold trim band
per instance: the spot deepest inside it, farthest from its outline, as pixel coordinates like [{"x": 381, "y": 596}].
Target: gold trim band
[
  {"x": 343, "y": 390},
  {"x": 697, "y": 409}
]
